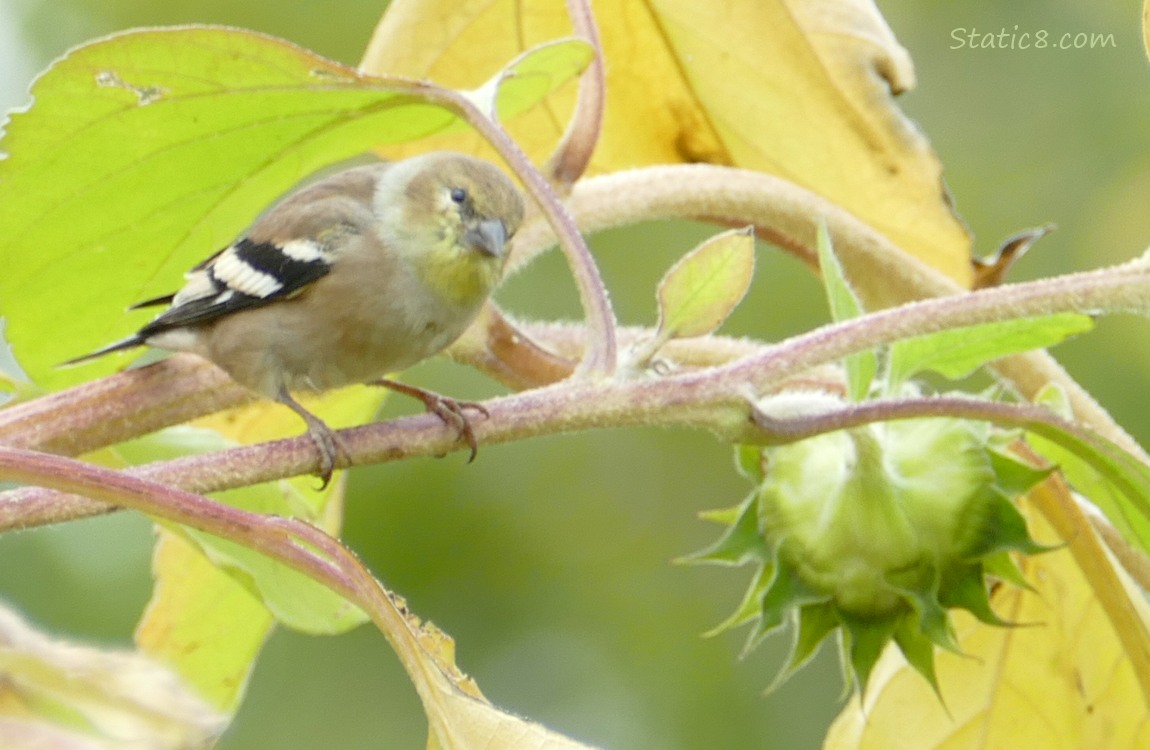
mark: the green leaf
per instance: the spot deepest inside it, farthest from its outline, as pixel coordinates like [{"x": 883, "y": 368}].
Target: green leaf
[
  {"x": 296, "y": 600},
  {"x": 1013, "y": 476},
  {"x": 862, "y": 366},
  {"x": 863, "y": 643},
  {"x": 749, "y": 462},
  {"x": 815, "y": 623},
  {"x": 1115, "y": 481},
  {"x": 918, "y": 650},
  {"x": 748, "y": 609},
  {"x": 742, "y": 542},
  {"x": 145, "y": 152},
  {"x": 1002, "y": 566},
  {"x": 933, "y": 620},
  {"x": 698, "y": 293},
  {"x": 967, "y": 589},
  {"x": 786, "y": 594},
  {"x": 1002, "y": 528},
  {"x": 960, "y": 351}
]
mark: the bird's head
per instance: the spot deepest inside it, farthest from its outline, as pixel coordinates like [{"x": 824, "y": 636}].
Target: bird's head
[{"x": 456, "y": 215}]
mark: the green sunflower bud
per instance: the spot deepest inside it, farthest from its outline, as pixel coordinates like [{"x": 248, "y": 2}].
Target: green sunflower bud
[{"x": 875, "y": 532}]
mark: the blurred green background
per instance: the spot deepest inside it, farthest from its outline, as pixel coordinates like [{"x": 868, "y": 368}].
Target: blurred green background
[{"x": 549, "y": 561}]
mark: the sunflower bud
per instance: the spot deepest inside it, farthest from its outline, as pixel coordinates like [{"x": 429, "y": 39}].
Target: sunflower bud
[{"x": 876, "y": 531}]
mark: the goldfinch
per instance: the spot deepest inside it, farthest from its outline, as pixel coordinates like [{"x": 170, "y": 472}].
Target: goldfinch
[{"x": 363, "y": 273}]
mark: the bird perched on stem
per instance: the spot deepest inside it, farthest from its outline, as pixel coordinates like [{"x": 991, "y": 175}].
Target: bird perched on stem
[{"x": 363, "y": 273}]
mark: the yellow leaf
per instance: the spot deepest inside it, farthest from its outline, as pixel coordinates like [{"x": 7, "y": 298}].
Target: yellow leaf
[
  {"x": 1146, "y": 26},
  {"x": 202, "y": 622},
  {"x": 458, "y": 716},
  {"x": 1060, "y": 681},
  {"x": 55, "y": 694},
  {"x": 802, "y": 90},
  {"x": 265, "y": 420},
  {"x": 474, "y": 724}
]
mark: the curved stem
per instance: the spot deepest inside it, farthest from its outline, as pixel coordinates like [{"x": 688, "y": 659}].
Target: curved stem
[
  {"x": 787, "y": 215},
  {"x": 715, "y": 399},
  {"x": 296, "y": 544},
  {"x": 601, "y": 357},
  {"x": 777, "y": 431},
  {"x": 1124, "y": 288},
  {"x": 177, "y": 505},
  {"x": 781, "y": 212},
  {"x": 91, "y": 416},
  {"x": 573, "y": 154}
]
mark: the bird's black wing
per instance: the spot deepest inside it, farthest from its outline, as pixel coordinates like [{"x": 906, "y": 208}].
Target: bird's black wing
[{"x": 244, "y": 275}]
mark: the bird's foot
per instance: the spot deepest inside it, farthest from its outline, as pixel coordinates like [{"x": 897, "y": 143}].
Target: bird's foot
[
  {"x": 447, "y": 409},
  {"x": 331, "y": 448}
]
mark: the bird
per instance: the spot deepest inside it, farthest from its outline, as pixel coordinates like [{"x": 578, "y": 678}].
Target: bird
[{"x": 360, "y": 274}]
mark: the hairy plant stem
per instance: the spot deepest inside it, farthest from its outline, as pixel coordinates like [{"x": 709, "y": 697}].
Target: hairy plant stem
[
  {"x": 152, "y": 488},
  {"x": 717, "y": 398},
  {"x": 788, "y": 215},
  {"x": 573, "y": 153},
  {"x": 1118, "y": 289}
]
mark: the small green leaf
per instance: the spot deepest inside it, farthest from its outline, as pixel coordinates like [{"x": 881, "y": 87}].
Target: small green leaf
[
  {"x": 531, "y": 77},
  {"x": 933, "y": 621},
  {"x": 787, "y": 594},
  {"x": 748, "y": 608},
  {"x": 862, "y": 366},
  {"x": 1115, "y": 481},
  {"x": 698, "y": 293},
  {"x": 958, "y": 352},
  {"x": 1013, "y": 476},
  {"x": 749, "y": 462},
  {"x": 147, "y": 151},
  {"x": 967, "y": 589},
  {"x": 741, "y": 542},
  {"x": 1001, "y": 566},
  {"x": 815, "y": 623},
  {"x": 864, "y": 643},
  {"x": 918, "y": 650},
  {"x": 296, "y": 600},
  {"x": 1004, "y": 529}
]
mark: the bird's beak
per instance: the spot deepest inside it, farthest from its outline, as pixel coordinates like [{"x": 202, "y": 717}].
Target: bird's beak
[{"x": 488, "y": 236}]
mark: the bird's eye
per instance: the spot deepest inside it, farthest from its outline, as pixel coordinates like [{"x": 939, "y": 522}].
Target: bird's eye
[{"x": 459, "y": 195}]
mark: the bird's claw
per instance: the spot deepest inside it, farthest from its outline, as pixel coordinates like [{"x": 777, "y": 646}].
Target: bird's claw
[
  {"x": 331, "y": 450},
  {"x": 449, "y": 410}
]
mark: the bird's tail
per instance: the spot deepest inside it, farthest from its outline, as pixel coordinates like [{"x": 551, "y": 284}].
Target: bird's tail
[{"x": 128, "y": 343}]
